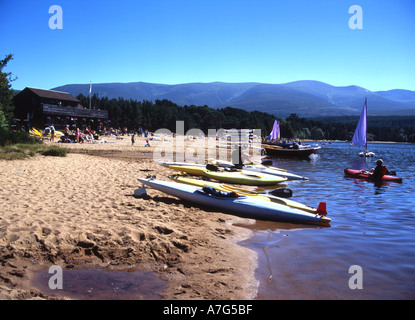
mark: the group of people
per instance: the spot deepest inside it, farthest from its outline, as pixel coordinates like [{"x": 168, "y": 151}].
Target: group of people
[
  {"x": 147, "y": 144},
  {"x": 78, "y": 136},
  {"x": 125, "y": 132}
]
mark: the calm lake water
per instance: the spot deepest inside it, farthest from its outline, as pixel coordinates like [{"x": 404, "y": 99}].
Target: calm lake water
[{"x": 372, "y": 227}]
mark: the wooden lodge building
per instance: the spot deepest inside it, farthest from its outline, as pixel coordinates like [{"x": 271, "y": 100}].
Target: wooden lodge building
[{"x": 40, "y": 108}]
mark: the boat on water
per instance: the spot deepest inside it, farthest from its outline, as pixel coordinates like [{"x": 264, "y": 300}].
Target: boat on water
[
  {"x": 283, "y": 149},
  {"x": 360, "y": 136},
  {"x": 360, "y": 174},
  {"x": 231, "y": 202},
  {"x": 289, "y": 151}
]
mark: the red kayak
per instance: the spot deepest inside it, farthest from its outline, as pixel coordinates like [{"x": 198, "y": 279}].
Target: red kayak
[{"x": 358, "y": 174}]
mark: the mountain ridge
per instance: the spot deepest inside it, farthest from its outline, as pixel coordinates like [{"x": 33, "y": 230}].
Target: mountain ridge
[{"x": 307, "y": 98}]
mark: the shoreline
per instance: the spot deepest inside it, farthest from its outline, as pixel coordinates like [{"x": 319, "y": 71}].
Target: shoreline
[{"x": 79, "y": 212}]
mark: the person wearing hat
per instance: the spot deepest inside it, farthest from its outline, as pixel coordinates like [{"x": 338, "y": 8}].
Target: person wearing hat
[{"x": 379, "y": 171}]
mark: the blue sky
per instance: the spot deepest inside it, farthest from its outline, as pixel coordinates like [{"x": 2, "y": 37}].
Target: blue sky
[{"x": 180, "y": 41}]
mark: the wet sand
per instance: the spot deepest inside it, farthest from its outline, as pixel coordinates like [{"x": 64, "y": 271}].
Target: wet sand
[{"x": 79, "y": 212}]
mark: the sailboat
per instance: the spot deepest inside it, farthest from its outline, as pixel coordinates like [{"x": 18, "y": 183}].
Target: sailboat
[
  {"x": 359, "y": 137},
  {"x": 275, "y": 133},
  {"x": 283, "y": 149}
]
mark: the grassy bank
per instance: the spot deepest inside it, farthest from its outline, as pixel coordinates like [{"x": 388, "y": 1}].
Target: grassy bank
[{"x": 22, "y": 151}]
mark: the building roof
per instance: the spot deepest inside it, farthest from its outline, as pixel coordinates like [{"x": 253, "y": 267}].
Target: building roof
[{"x": 50, "y": 94}]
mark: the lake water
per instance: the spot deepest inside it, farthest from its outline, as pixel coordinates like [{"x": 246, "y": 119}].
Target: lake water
[
  {"x": 372, "y": 227},
  {"x": 100, "y": 284}
]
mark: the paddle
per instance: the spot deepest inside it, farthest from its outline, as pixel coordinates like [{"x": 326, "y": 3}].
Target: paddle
[
  {"x": 391, "y": 173},
  {"x": 279, "y": 192}
]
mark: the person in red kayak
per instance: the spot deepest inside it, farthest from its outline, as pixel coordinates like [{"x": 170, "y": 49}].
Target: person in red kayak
[{"x": 379, "y": 171}]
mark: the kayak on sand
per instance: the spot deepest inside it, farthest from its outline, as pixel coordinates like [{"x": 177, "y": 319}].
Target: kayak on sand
[
  {"x": 368, "y": 176},
  {"x": 230, "y": 176},
  {"x": 263, "y": 169},
  {"x": 228, "y": 188},
  {"x": 248, "y": 167},
  {"x": 241, "y": 205}
]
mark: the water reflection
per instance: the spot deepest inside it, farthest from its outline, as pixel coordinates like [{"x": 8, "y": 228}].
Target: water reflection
[
  {"x": 268, "y": 236},
  {"x": 381, "y": 186},
  {"x": 372, "y": 225},
  {"x": 100, "y": 284},
  {"x": 358, "y": 163}
]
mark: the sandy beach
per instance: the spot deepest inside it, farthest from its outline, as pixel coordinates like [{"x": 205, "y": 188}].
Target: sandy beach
[{"x": 79, "y": 211}]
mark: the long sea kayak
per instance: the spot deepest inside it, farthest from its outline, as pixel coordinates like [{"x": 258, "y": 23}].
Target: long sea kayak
[
  {"x": 249, "y": 167},
  {"x": 237, "y": 177},
  {"x": 240, "y": 205},
  {"x": 362, "y": 175},
  {"x": 263, "y": 169},
  {"x": 229, "y": 188}
]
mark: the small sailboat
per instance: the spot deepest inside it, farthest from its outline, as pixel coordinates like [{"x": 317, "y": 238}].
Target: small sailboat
[
  {"x": 275, "y": 133},
  {"x": 359, "y": 137},
  {"x": 283, "y": 149}
]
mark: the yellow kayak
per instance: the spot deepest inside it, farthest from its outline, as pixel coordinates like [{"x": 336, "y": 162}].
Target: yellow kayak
[
  {"x": 237, "y": 177},
  {"x": 245, "y": 192},
  {"x": 35, "y": 132},
  {"x": 230, "y": 164},
  {"x": 38, "y": 132}
]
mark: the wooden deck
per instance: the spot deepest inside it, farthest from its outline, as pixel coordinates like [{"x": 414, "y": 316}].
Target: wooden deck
[{"x": 55, "y": 110}]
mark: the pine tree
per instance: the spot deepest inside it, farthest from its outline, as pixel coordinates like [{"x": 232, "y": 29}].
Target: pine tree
[{"x": 6, "y": 94}]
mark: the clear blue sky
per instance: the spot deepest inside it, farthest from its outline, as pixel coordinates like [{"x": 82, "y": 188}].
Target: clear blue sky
[{"x": 180, "y": 41}]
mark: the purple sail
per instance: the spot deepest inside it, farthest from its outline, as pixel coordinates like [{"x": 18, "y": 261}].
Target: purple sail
[
  {"x": 359, "y": 138},
  {"x": 275, "y": 133}
]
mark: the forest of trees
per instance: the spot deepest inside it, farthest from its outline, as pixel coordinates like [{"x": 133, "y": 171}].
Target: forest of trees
[{"x": 164, "y": 114}]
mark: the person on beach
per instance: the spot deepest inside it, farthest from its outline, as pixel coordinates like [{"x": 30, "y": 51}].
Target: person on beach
[
  {"x": 77, "y": 135},
  {"x": 52, "y": 133},
  {"x": 133, "y": 139}
]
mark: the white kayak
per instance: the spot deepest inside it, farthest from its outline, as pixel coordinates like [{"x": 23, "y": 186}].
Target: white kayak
[
  {"x": 240, "y": 205},
  {"x": 274, "y": 171}
]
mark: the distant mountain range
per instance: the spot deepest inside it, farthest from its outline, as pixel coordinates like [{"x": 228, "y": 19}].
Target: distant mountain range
[{"x": 306, "y": 98}]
